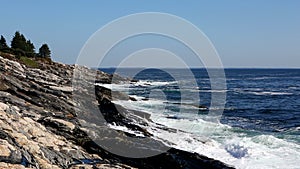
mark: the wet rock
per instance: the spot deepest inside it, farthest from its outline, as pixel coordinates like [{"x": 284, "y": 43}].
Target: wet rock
[
  {"x": 134, "y": 80},
  {"x": 132, "y": 99},
  {"x": 56, "y": 157},
  {"x": 40, "y": 127},
  {"x": 104, "y": 93}
]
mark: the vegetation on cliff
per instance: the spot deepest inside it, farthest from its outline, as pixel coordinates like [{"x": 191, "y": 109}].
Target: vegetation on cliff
[{"x": 23, "y": 50}]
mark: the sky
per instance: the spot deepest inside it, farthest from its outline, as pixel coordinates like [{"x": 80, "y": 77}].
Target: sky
[{"x": 251, "y": 34}]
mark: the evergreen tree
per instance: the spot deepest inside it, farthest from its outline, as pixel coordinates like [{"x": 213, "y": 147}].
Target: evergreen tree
[
  {"x": 22, "y": 46},
  {"x": 3, "y": 44},
  {"x": 18, "y": 41},
  {"x": 29, "y": 47},
  {"x": 44, "y": 51}
]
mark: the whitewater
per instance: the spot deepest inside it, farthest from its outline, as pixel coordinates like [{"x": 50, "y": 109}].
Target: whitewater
[{"x": 241, "y": 140}]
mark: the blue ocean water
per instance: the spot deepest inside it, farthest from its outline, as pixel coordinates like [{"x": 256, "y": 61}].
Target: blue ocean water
[
  {"x": 262, "y": 109},
  {"x": 266, "y": 100}
]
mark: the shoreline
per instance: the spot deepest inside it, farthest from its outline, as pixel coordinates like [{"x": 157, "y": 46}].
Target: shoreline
[{"x": 46, "y": 132}]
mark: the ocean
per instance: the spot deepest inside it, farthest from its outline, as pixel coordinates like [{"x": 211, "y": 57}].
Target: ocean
[{"x": 259, "y": 126}]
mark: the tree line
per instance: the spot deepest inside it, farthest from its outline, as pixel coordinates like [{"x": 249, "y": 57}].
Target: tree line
[{"x": 20, "y": 46}]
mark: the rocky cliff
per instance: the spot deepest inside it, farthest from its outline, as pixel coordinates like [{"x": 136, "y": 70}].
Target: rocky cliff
[{"x": 40, "y": 125}]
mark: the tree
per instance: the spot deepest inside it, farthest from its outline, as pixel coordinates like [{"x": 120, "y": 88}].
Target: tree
[
  {"x": 44, "y": 51},
  {"x": 22, "y": 46},
  {"x": 18, "y": 41},
  {"x": 29, "y": 47},
  {"x": 3, "y": 44}
]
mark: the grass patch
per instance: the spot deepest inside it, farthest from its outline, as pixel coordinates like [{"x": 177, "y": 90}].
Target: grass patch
[{"x": 29, "y": 62}]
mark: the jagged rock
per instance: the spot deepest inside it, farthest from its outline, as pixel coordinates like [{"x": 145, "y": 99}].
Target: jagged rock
[
  {"x": 38, "y": 144},
  {"x": 62, "y": 88},
  {"x": 132, "y": 99},
  {"x": 11, "y": 166},
  {"x": 60, "y": 123},
  {"x": 104, "y": 93},
  {"x": 14, "y": 66},
  {"x": 41, "y": 126},
  {"x": 3, "y": 106},
  {"x": 5, "y": 150}
]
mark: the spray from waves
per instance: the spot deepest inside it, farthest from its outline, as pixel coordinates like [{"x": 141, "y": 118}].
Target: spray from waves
[
  {"x": 230, "y": 145},
  {"x": 191, "y": 132}
]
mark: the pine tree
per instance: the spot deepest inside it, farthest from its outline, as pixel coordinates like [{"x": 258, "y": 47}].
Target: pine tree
[
  {"x": 29, "y": 47},
  {"x": 3, "y": 44},
  {"x": 18, "y": 41},
  {"x": 21, "y": 46},
  {"x": 44, "y": 51}
]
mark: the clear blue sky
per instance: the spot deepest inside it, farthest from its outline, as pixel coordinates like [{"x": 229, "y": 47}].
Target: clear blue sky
[{"x": 253, "y": 33}]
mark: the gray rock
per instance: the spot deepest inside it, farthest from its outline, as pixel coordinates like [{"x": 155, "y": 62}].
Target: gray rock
[{"x": 39, "y": 121}]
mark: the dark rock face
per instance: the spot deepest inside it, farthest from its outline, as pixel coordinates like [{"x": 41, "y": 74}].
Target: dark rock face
[{"x": 40, "y": 123}]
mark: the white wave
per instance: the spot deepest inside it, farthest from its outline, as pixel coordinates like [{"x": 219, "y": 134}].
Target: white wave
[
  {"x": 248, "y": 89},
  {"x": 232, "y": 79},
  {"x": 153, "y": 83},
  {"x": 141, "y": 83},
  {"x": 214, "y": 91},
  {"x": 236, "y": 150},
  {"x": 263, "y": 151},
  {"x": 271, "y": 93},
  {"x": 138, "y": 98},
  {"x": 259, "y": 91},
  {"x": 219, "y": 141},
  {"x": 115, "y": 87},
  {"x": 191, "y": 125},
  {"x": 214, "y": 140},
  {"x": 262, "y": 78},
  {"x": 125, "y": 129},
  {"x": 294, "y": 87}
]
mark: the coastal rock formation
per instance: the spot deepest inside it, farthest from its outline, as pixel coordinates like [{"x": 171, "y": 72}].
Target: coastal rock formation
[{"x": 41, "y": 124}]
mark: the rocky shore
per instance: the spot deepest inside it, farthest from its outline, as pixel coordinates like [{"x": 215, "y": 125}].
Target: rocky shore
[{"x": 43, "y": 126}]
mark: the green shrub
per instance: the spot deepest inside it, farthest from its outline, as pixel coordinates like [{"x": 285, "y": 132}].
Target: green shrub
[{"x": 29, "y": 62}]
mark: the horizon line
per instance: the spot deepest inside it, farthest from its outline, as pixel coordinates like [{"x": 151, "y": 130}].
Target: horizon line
[{"x": 196, "y": 68}]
